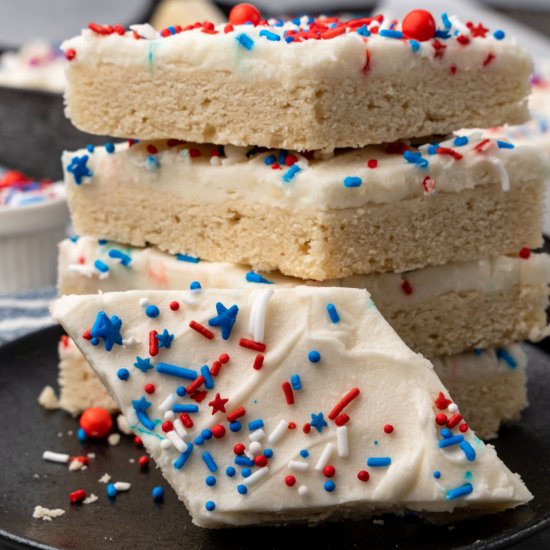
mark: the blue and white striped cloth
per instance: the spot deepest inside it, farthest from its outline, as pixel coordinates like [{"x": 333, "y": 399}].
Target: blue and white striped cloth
[{"x": 24, "y": 312}]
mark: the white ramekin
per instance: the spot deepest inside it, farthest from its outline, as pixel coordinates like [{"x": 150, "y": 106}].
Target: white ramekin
[{"x": 28, "y": 244}]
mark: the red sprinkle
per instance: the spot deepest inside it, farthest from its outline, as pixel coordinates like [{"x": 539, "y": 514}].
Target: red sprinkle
[
  {"x": 525, "y": 253},
  {"x": 454, "y": 420},
  {"x": 153, "y": 343},
  {"x": 428, "y": 184},
  {"x": 292, "y": 425},
  {"x": 418, "y": 25},
  {"x": 260, "y": 461},
  {"x": 202, "y": 330},
  {"x": 218, "y": 431},
  {"x": 70, "y": 54},
  {"x": 186, "y": 420},
  {"x": 194, "y": 153},
  {"x": 290, "y": 160},
  {"x": 199, "y": 396},
  {"x": 363, "y": 475},
  {"x": 238, "y": 449},
  {"x": 290, "y": 481},
  {"x": 453, "y": 69},
  {"x": 483, "y": 145},
  {"x": 143, "y": 461},
  {"x": 77, "y": 496},
  {"x": 343, "y": 403},
  {"x": 406, "y": 287},
  {"x": 167, "y": 426},
  {"x": 488, "y": 59},
  {"x": 388, "y": 428},
  {"x": 341, "y": 419},
  {"x": 463, "y": 39},
  {"x": 195, "y": 385},
  {"x": 442, "y": 402},
  {"x": 372, "y": 163},
  {"x": 307, "y": 428},
  {"x": 138, "y": 441},
  {"x": 448, "y": 151},
  {"x": 244, "y": 13},
  {"x": 149, "y": 388},
  {"x": 289, "y": 394},
  {"x": 87, "y": 335},
  {"x": 441, "y": 419},
  {"x": 250, "y": 344},
  {"x": 463, "y": 427},
  {"x": 82, "y": 459},
  {"x": 174, "y": 306},
  {"x": 329, "y": 471},
  {"x": 228, "y": 28},
  {"x": 258, "y": 362},
  {"x": 152, "y": 150},
  {"x": 237, "y": 413},
  {"x": 215, "y": 368},
  {"x": 224, "y": 358}
]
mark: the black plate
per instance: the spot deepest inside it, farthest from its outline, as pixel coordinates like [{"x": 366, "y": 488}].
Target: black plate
[{"x": 135, "y": 521}]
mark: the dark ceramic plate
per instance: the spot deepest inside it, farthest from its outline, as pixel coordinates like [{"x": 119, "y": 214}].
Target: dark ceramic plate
[{"x": 135, "y": 522}]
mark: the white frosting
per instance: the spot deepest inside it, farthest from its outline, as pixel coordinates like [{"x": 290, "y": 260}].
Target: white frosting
[
  {"x": 150, "y": 268},
  {"x": 318, "y": 184},
  {"x": 395, "y": 387}
]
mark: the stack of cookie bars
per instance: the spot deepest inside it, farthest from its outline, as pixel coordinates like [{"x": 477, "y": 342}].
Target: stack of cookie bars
[{"x": 316, "y": 152}]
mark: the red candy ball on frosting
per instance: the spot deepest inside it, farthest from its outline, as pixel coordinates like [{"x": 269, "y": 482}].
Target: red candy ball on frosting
[
  {"x": 418, "y": 25},
  {"x": 244, "y": 13},
  {"x": 96, "y": 422}
]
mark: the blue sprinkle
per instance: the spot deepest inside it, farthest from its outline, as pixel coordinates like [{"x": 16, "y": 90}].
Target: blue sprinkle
[
  {"x": 172, "y": 30},
  {"x": 449, "y": 441},
  {"x": 185, "y": 408},
  {"x": 210, "y": 481},
  {"x": 158, "y": 493},
  {"x": 432, "y": 149},
  {"x": 288, "y": 176},
  {"x": 499, "y": 35},
  {"x": 329, "y": 486},
  {"x": 246, "y": 472},
  {"x": 181, "y": 391},
  {"x": 446, "y": 22},
  {"x": 110, "y": 148},
  {"x": 235, "y": 426},
  {"x": 504, "y": 355},
  {"x": 182, "y": 459},
  {"x": 152, "y": 311},
  {"x": 101, "y": 241},
  {"x": 437, "y": 474},
  {"x": 140, "y": 406},
  {"x": 289, "y": 39},
  {"x": 255, "y": 424},
  {"x": 270, "y": 159},
  {"x": 314, "y": 356},
  {"x": 268, "y": 453},
  {"x": 74, "y": 238},
  {"x": 77, "y": 167},
  {"x": 119, "y": 255},
  {"x": 111, "y": 490},
  {"x": 415, "y": 45},
  {"x": 225, "y": 319},
  {"x": 195, "y": 285},
  {"x": 101, "y": 266},
  {"x": 123, "y": 374},
  {"x": 199, "y": 440},
  {"x": 460, "y": 141},
  {"x": 296, "y": 382},
  {"x": 107, "y": 328},
  {"x": 245, "y": 41},
  {"x": 461, "y": 491},
  {"x": 468, "y": 451},
  {"x": 333, "y": 313},
  {"x": 165, "y": 339},
  {"x": 210, "y": 505},
  {"x": 230, "y": 471},
  {"x": 505, "y": 145},
  {"x": 304, "y": 453},
  {"x": 379, "y": 462},
  {"x": 94, "y": 341},
  {"x": 363, "y": 31},
  {"x": 208, "y": 380},
  {"x": 415, "y": 158},
  {"x": 253, "y": 277},
  {"x": 90, "y": 148},
  {"x": 352, "y": 181},
  {"x": 206, "y": 434},
  {"x": 388, "y": 33},
  {"x": 270, "y": 35},
  {"x": 174, "y": 370},
  {"x": 242, "y": 489},
  {"x": 187, "y": 258},
  {"x": 209, "y": 461},
  {"x": 81, "y": 435},
  {"x": 446, "y": 433},
  {"x": 152, "y": 163},
  {"x": 444, "y": 35},
  {"x": 243, "y": 461}
]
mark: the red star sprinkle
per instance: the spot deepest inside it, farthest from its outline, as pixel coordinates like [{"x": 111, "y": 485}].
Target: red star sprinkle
[
  {"x": 439, "y": 49},
  {"x": 477, "y": 30},
  {"x": 442, "y": 402},
  {"x": 218, "y": 404}
]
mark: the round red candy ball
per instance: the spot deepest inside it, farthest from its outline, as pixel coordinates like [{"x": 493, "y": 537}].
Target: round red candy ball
[
  {"x": 290, "y": 481},
  {"x": 329, "y": 471},
  {"x": 244, "y": 13},
  {"x": 238, "y": 449},
  {"x": 363, "y": 475},
  {"x": 388, "y": 428},
  {"x": 260, "y": 461},
  {"x": 143, "y": 461},
  {"x": 441, "y": 419},
  {"x": 149, "y": 388},
  {"x": 419, "y": 25},
  {"x": 96, "y": 422},
  {"x": 218, "y": 431}
]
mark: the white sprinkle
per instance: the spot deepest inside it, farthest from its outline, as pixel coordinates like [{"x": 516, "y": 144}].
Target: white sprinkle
[
  {"x": 90, "y": 499},
  {"x": 278, "y": 432},
  {"x": 88, "y": 271},
  {"x": 325, "y": 456},
  {"x": 300, "y": 466},
  {"x": 165, "y": 444},
  {"x": 105, "y": 478},
  {"x": 256, "y": 324},
  {"x": 61, "y": 458},
  {"x": 122, "y": 485},
  {"x": 47, "y": 514},
  {"x": 342, "y": 441},
  {"x": 130, "y": 342},
  {"x": 114, "y": 439},
  {"x": 179, "y": 427},
  {"x": 177, "y": 441},
  {"x": 303, "y": 490},
  {"x": 131, "y": 460},
  {"x": 452, "y": 408},
  {"x": 91, "y": 455},
  {"x": 169, "y": 415},
  {"x": 168, "y": 402},
  {"x": 143, "y": 302},
  {"x": 145, "y": 30},
  {"x": 256, "y": 448},
  {"x": 256, "y": 476},
  {"x": 257, "y": 435},
  {"x": 502, "y": 173}
]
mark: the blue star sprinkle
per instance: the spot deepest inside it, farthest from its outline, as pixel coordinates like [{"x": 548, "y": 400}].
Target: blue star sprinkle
[
  {"x": 225, "y": 319},
  {"x": 108, "y": 329},
  {"x": 140, "y": 406},
  {"x": 77, "y": 167},
  {"x": 165, "y": 339},
  {"x": 318, "y": 422},
  {"x": 143, "y": 364}
]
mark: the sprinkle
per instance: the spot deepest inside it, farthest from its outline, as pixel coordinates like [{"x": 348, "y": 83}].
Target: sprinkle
[
  {"x": 140, "y": 406},
  {"x": 329, "y": 486},
  {"x": 164, "y": 339},
  {"x": 448, "y": 151},
  {"x": 290, "y": 481},
  {"x": 288, "y": 176},
  {"x": 353, "y": 181},
  {"x": 153, "y": 343},
  {"x": 251, "y": 344},
  {"x": 257, "y": 476},
  {"x": 111, "y": 490},
  {"x": 453, "y": 420},
  {"x": 230, "y": 471},
  {"x": 342, "y": 441},
  {"x": 449, "y": 441},
  {"x": 123, "y": 374},
  {"x": 210, "y": 505},
  {"x": 237, "y": 413},
  {"x": 208, "y": 381},
  {"x": 185, "y": 409},
  {"x": 299, "y": 466},
  {"x": 253, "y": 277},
  {"x": 179, "y": 463},
  {"x": 107, "y": 328},
  {"x": 303, "y": 490},
  {"x": 119, "y": 255},
  {"x": 110, "y": 148},
  {"x": 314, "y": 356},
  {"x": 202, "y": 330},
  {"x": 505, "y": 145},
  {"x": 468, "y": 450},
  {"x": 101, "y": 266},
  {"x": 379, "y": 462},
  {"x": 437, "y": 474},
  {"x": 461, "y": 491},
  {"x": 414, "y": 45},
  {"x": 77, "y": 167},
  {"x": 388, "y": 33},
  {"x": 152, "y": 311},
  {"x": 60, "y": 458},
  {"x": 158, "y": 493},
  {"x": 363, "y": 476},
  {"x": 195, "y": 286},
  {"x": 325, "y": 456},
  {"x": 245, "y": 41},
  {"x": 504, "y": 355},
  {"x": 77, "y": 496},
  {"x": 218, "y": 404},
  {"x": 333, "y": 313},
  {"x": 318, "y": 422},
  {"x": 225, "y": 319},
  {"x": 178, "y": 426},
  {"x": 460, "y": 141},
  {"x": 242, "y": 489},
  {"x": 70, "y": 54},
  {"x": 243, "y": 461},
  {"x": 270, "y": 35},
  {"x": 499, "y": 35},
  {"x": 209, "y": 461},
  {"x": 258, "y": 362},
  {"x": 187, "y": 258},
  {"x": 415, "y": 158},
  {"x": 296, "y": 382},
  {"x": 256, "y": 322},
  {"x": 278, "y": 431},
  {"x": 174, "y": 370},
  {"x": 289, "y": 395},
  {"x": 343, "y": 403}
]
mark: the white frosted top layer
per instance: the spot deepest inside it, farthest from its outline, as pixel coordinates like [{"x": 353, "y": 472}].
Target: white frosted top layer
[
  {"x": 87, "y": 265},
  {"x": 37, "y": 65},
  {"x": 206, "y": 174},
  {"x": 322, "y": 394},
  {"x": 286, "y": 51}
]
